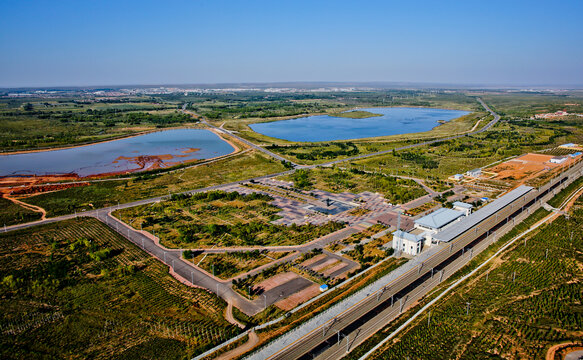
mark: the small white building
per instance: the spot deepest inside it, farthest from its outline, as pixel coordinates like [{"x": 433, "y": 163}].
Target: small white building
[
  {"x": 559, "y": 159},
  {"x": 463, "y": 207},
  {"x": 474, "y": 173},
  {"x": 407, "y": 242},
  {"x": 457, "y": 177}
]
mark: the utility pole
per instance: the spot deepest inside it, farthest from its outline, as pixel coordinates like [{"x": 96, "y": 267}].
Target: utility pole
[
  {"x": 468, "y": 308},
  {"x": 428, "y": 319},
  {"x": 347, "y": 342},
  {"x": 264, "y": 302}
]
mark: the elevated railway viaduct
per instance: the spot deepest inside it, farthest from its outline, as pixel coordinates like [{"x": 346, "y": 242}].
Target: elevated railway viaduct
[{"x": 459, "y": 244}]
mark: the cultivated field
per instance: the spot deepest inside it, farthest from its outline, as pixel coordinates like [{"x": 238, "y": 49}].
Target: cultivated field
[{"x": 76, "y": 289}]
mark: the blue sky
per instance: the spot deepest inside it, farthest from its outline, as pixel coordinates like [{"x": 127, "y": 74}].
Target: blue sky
[{"x": 82, "y": 42}]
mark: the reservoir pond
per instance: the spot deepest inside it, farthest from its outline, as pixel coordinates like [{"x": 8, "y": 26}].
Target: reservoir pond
[
  {"x": 143, "y": 152},
  {"x": 393, "y": 121}
]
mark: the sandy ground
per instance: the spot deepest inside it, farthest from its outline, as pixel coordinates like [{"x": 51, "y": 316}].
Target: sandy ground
[
  {"x": 298, "y": 298},
  {"x": 277, "y": 280},
  {"x": 524, "y": 167}
]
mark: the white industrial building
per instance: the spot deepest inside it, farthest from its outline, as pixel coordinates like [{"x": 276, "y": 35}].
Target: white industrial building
[{"x": 427, "y": 226}]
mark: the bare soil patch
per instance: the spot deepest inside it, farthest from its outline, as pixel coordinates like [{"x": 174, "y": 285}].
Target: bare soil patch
[{"x": 301, "y": 296}]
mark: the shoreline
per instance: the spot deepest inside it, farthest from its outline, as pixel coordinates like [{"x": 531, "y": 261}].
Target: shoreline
[
  {"x": 24, "y": 178},
  {"x": 65, "y": 147}
]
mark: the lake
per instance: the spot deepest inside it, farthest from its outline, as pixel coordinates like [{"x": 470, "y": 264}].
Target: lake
[
  {"x": 143, "y": 152},
  {"x": 394, "y": 121}
]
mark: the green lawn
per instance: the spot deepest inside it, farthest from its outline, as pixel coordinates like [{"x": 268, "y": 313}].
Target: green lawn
[{"x": 76, "y": 289}]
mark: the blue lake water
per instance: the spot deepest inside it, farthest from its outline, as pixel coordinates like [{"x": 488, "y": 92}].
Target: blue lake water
[
  {"x": 394, "y": 121},
  {"x": 154, "y": 150}
]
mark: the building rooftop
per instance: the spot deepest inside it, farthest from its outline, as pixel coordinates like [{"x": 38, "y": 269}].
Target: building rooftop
[
  {"x": 480, "y": 215},
  {"x": 463, "y": 205},
  {"x": 407, "y": 236},
  {"x": 439, "y": 218}
]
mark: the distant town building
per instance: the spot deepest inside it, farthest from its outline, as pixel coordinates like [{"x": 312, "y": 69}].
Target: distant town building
[
  {"x": 457, "y": 177},
  {"x": 550, "y": 115}
]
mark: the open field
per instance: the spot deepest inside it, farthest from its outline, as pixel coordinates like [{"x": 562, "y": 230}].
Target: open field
[
  {"x": 337, "y": 180},
  {"x": 76, "y": 289},
  {"x": 527, "y": 302},
  {"x": 218, "y": 218},
  {"x": 524, "y": 105},
  {"x": 102, "y": 194},
  {"x": 528, "y": 168}
]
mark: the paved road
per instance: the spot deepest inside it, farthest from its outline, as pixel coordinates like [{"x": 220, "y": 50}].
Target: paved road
[
  {"x": 184, "y": 269},
  {"x": 249, "y": 143}
]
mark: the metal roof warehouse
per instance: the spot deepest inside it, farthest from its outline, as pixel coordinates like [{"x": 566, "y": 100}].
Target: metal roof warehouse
[
  {"x": 439, "y": 218},
  {"x": 480, "y": 215}
]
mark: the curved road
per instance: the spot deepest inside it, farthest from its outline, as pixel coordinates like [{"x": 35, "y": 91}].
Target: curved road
[{"x": 173, "y": 257}]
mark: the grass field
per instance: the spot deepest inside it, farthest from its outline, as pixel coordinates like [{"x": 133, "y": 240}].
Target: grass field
[
  {"x": 11, "y": 213},
  {"x": 219, "y": 218},
  {"x": 102, "y": 194},
  {"x": 76, "y": 289},
  {"x": 338, "y": 180}
]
